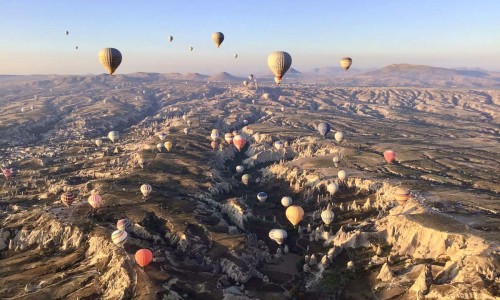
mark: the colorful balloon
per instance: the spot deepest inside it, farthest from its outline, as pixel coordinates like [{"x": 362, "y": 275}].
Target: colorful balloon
[
  {"x": 240, "y": 169},
  {"x": 279, "y": 62},
  {"x": 7, "y": 173},
  {"x": 214, "y": 145},
  {"x": 110, "y": 58},
  {"x": 262, "y": 197},
  {"x": 67, "y": 198},
  {"x": 323, "y": 128},
  {"x": 95, "y": 201},
  {"x": 168, "y": 145},
  {"x": 146, "y": 189},
  {"x": 246, "y": 179},
  {"x": 346, "y": 63},
  {"x": 294, "y": 214},
  {"x": 339, "y": 136},
  {"x": 327, "y": 216},
  {"x": 286, "y": 201},
  {"x": 123, "y": 224},
  {"x": 215, "y": 134},
  {"x": 239, "y": 141},
  {"x": 118, "y": 237},
  {"x": 143, "y": 257},
  {"x": 229, "y": 137},
  {"x": 113, "y": 136},
  {"x": 402, "y": 195},
  {"x": 389, "y": 155}
]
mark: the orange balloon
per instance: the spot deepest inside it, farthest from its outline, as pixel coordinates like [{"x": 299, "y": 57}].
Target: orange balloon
[
  {"x": 214, "y": 145},
  {"x": 239, "y": 142},
  {"x": 389, "y": 155},
  {"x": 143, "y": 257},
  {"x": 294, "y": 214},
  {"x": 402, "y": 195}
]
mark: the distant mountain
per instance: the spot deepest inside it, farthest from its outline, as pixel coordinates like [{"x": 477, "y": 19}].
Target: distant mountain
[
  {"x": 334, "y": 71},
  {"x": 426, "y": 76},
  {"x": 225, "y": 77},
  {"x": 193, "y": 76}
]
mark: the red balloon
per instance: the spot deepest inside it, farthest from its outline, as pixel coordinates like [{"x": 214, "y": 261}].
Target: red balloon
[
  {"x": 389, "y": 155},
  {"x": 7, "y": 173},
  {"x": 239, "y": 142},
  {"x": 67, "y": 198},
  {"x": 143, "y": 257}
]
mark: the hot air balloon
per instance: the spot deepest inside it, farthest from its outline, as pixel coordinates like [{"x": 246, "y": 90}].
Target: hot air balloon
[
  {"x": 67, "y": 198},
  {"x": 239, "y": 141},
  {"x": 278, "y": 145},
  {"x": 184, "y": 117},
  {"x": 294, "y": 214},
  {"x": 245, "y": 122},
  {"x": 188, "y": 122},
  {"x": 282, "y": 108},
  {"x": 235, "y": 55},
  {"x": 141, "y": 161},
  {"x": 110, "y": 58},
  {"x": 214, "y": 145},
  {"x": 240, "y": 169},
  {"x": 217, "y": 38},
  {"x": 162, "y": 136},
  {"x": 123, "y": 224},
  {"x": 346, "y": 63},
  {"x": 286, "y": 201},
  {"x": 235, "y": 133},
  {"x": 168, "y": 145},
  {"x": 246, "y": 179},
  {"x": 229, "y": 137},
  {"x": 67, "y": 32},
  {"x": 113, "y": 136},
  {"x": 342, "y": 175},
  {"x": 278, "y": 235},
  {"x": 215, "y": 134},
  {"x": 327, "y": 216},
  {"x": 143, "y": 257},
  {"x": 323, "y": 128},
  {"x": 118, "y": 237},
  {"x": 170, "y": 38},
  {"x": 159, "y": 146},
  {"x": 262, "y": 197},
  {"x": 95, "y": 201},
  {"x": 389, "y": 155},
  {"x": 76, "y": 47},
  {"x": 336, "y": 160},
  {"x": 146, "y": 189},
  {"x": 191, "y": 48},
  {"x": 332, "y": 188},
  {"x": 245, "y": 83},
  {"x": 186, "y": 131},
  {"x": 7, "y": 173},
  {"x": 98, "y": 142},
  {"x": 250, "y": 77},
  {"x": 402, "y": 195},
  {"x": 279, "y": 62},
  {"x": 339, "y": 136}
]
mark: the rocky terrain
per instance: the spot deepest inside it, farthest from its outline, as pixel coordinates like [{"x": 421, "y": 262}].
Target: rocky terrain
[{"x": 207, "y": 231}]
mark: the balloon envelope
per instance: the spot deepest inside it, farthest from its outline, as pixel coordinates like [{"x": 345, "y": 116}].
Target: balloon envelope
[
  {"x": 323, "y": 128},
  {"x": 146, "y": 189},
  {"x": 286, "y": 201},
  {"x": 95, "y": 201},
  {"x": 123, "y": 224},
  {"x": 262, "y": 197},
  {"x": 118, "y": 237},
  {"x": 389, "y": 156},
  {"x": 239, "y": 142},
  {"x": 67, "y": 198},
  {"x": 217, "y": 38},
  {"x": 346, "y": 63},
  {"x": 339, "y": 136},
  {"x": 110, "y": 58},
  {"x": 143, "y": 257},
  {"x": 294, "y": 214},
  {"x": 240, "y": 169},
  {"x": 402, "y": 195},
  {"x": 113, "y": 136},
  {"x": 327, "y": 216},
  {"x": 342, "y": 175},
  {"x": 246, "y": 179},
  {"x": 279, "y": 62},
  {"x": 229, "y": 137}
]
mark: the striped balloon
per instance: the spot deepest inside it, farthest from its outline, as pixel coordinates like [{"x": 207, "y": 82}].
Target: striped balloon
[
  {"x": 146, "y": 189},
  {"x": 95, "y": 201},
  {"x": 118, "y": 237},
  {"x": 123, "y": 224},
  {"x": 67, "y": 198}
]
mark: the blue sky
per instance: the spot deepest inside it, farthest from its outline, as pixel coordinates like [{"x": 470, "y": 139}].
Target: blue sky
[{"x": 375, "y": 33}]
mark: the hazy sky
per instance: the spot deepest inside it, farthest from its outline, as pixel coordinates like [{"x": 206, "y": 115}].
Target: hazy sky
[{"x": 375, "y": 33}]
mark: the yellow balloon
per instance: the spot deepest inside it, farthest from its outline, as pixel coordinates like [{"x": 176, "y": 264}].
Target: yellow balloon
[
  {"x": 217, "y": 38},
  {"x": 110, "y": 58},
  {"x": 294, "y": 214},
  {"x": 279, "y": 62},
  {"x": 346, "y": 63}
]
